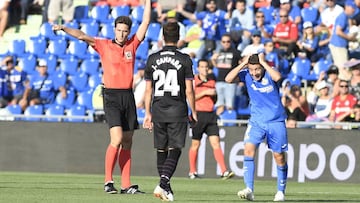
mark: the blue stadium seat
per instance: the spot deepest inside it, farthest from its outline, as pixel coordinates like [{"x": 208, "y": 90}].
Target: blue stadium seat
[
  {"x": 75, "y": 110},
  {"x": 91, "y": 28},
  {"x": 123, "y": 10},
  {"x": 35, "y": 110},
  {"x": 294, "y": 79},
  {"x": 28, "y": 64},
  {"x": 228, "y": 115},
  {"x": 47, "y": 32},
  {"x": 14, "y": 109},
  {"x": 142, "y": 51},
  {"x": 81, "y": 12},
  {"x": 310, "y": 14},
  {"x": 101, "y": 13},
  {"x": 134, "y": 28},
  {"x": 91, "y": 53},
  {"x": 73, "y": 24},
  {"x": 59, "y": 78},
  {"x": 85, "y": 99},
  {"x": 79, "y": 82},
  {"x": 90, "y": 66},
  {"x": 320, "y": 66},
  {"x": 68, "y": 101},
  {"x": 77, "y": 48},
  {"x": 137, "y": 13},
  {"x": 36, "y": 46},
  {"x": 153, "y": 32},
  {"x": 69, "y": 66},
  {"x": 94, "y": 81},
  {"x": 107, "y": 31},
  {"x": 57, "y": 47},
  {"x": 301, "y": 67},
  {"x": 54, "y": 110},
  {"x": 17, "y": 47},
  {"x": 243, "y": 111}
]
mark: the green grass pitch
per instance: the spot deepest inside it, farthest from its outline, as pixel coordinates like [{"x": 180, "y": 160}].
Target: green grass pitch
[{"x": 52, "y": 188}]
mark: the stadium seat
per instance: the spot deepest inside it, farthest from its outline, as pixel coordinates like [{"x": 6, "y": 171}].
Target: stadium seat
[
  {"x": 35, "y": 110},
  {"x": 90, "y": 28},
  {"x": 81, "y": 12},
  {"x": 28, "y": 64},
  {"x": 68, "y": 101},
  {"x": 17, "y": 47},
  {"x": 14, "y": 109},
  {"x": 94, "y": 81},
  {"x": 310, "y": 14},
  {"x": 36, "y": 46},
  {"x": 85, "y": 99},
  {"x": 301, "y": 67},
  {"x": 75, "y": 110},
  {"x": 320, "y": 66},
  {"x": 142, "y": 51},
  {"x": 153, "y": 32},
  {"x": 90, "y": 66},
  {"x": 91, "y": 53},
  {"x": 137, "y": 13},
  {"x": 59, "y": 78},
  {"x": 134, "y": 28},
  {"x": 123, "y": 10},
  {"x": 54, "y": 110},
  {"x": 57, "y": 47},
  {"x": 294, "y": 79},
  {"x": 79, "y": 82},
  {"x": 107, "y": 31},
  {"x": 72, "y": 24},
  {"x": 47, "y": 32},
  {"x": 228, "y": 115},
  {"x": 100, "y": 13},
  {"x": 77, "y": 48},
  {"x": 69, "y": 66}
]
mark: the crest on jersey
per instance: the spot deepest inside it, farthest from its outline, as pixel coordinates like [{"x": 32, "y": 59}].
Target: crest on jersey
[
  {"x": 128, "y": 55},
  {"x": 264, "y": 81}
]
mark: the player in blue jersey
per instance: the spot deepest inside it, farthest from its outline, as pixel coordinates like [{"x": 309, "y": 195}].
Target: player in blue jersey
[{"x": 267, "y": 120}]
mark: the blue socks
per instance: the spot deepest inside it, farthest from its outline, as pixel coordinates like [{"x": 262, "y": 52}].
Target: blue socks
[
  {"x": 282, "y": 177},
  {"x": 249, "y": 170}
]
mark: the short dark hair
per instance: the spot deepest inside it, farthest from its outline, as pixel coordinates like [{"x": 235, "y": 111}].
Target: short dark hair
[
  {"x": 254, "y": 59},
  {"x": 123, "y": 20},
  {"x": 171, "y": 32},
  {"x": 203, "y": 60}
]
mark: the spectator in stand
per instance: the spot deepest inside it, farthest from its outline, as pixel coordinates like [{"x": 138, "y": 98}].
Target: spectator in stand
[
  {"x": 285, "y": 35},
  {"x": 193, "y": 41},
  {"x": 131, "y": 3},
  {"x": 66, "y": 8},
  {"x": 213, "y": 25},
  {"x": 15, "y": 80},
  {"x": 293, "y": 11},
  {"x": 242, "y": 17},
  {"x": 291, "y": 122},
  {"x": 171, "y": 17},
  {"x": 164, "y": 6},
  {"x": 340, "y": 38},
  {"x": 354, "y": 84},
  {"x": 295, "y": 103},
  {"x": 308, "y": 43},
  {"x": 356, "y": 17},
  {"x": 4, "y": 16},
  {"x": 342, "y": 104},
  {"x": 265, "y": 29},
  {"x": 256, "y": 46},
  {"x": 225, "y": 60},
  {"x": 319, "y": 101},
  {"x": 355, "y": 114},
  {"x": 139, "y": 86},
  {"x": 41, "y": 88},
  {"x": 271, "y": 55}
]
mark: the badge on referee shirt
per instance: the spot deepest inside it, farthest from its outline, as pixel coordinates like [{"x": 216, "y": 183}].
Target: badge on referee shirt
[{"x": 128, "y": 55}]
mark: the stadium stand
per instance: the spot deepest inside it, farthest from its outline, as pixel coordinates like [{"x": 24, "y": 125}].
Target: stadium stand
[
  {"x": 52, "y": 112},
  {"x": 33, "y": 113}
]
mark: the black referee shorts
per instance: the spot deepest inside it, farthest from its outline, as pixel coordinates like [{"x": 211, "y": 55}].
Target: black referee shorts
[
  {"x": 120, "y": 109},
  {"x": 207, "y": 123}
]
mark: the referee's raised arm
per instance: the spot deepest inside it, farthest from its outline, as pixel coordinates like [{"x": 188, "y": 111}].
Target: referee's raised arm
[{"x": 78, "y": 34}]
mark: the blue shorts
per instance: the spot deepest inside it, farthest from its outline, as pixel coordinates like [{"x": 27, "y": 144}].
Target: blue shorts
[{"x": 274, "y": 132}]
